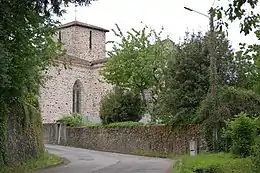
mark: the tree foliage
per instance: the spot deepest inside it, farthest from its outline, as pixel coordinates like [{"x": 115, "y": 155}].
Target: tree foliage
[
  {"x": 248, "y": 16},
  {"x": 26, "y": 46},
  {"x": 26, "y": 50},
  {"x": 138, "y": 60},
  {"x": 244, "y": 11},
  {"x": 186, "y": 81},
  {"x": 230, "y": 102},
  {"x": 121, "y": 105},
  {"x": 187, "y": 76}
]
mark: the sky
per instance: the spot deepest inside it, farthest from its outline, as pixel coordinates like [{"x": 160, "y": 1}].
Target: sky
[{"x": 169, "y": 14}]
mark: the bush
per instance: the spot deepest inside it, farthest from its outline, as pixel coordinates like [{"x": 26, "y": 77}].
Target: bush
[
  {"x": 75, "y": 120},
  {"x": 241, "y": 131},
  {"x": 256, "y": 155},
  {"x": 121, "y": 105}
]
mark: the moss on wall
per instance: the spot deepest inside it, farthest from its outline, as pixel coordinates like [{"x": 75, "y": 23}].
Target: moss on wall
[
  {"x": 3, "y": 130},
  {"x": 21, "y": 136}
]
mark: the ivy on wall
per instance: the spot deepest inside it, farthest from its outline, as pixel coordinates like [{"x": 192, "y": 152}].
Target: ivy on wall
[
  {"x": 3, "y": 131},
  {"x": 21, "y": 136}
]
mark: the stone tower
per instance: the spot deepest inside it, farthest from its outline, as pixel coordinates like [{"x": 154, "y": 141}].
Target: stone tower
[
  {"x": 79, "y": 88},
  {"x": 83, "y": 41}
]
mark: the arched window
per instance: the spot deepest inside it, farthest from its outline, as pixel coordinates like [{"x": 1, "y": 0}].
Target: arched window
[{"x": 77, "y": 94}]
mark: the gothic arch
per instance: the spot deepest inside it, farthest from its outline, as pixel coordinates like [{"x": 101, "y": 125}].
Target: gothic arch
[{"x": 77, "y": 97}]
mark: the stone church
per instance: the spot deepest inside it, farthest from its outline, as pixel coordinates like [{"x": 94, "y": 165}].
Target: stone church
[{"x": 79, "y": 88}]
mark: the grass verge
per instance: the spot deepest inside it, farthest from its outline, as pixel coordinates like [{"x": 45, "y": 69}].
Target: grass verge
[
  {"x": 46, "y": 160},
  {"x": 213, "y": 163}
]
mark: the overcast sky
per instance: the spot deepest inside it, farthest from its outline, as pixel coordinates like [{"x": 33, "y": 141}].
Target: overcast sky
[{"x": 155, "y": 13}]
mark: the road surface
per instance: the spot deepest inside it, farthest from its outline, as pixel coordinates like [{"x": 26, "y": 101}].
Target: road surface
[{"x": 88, "y": 161}]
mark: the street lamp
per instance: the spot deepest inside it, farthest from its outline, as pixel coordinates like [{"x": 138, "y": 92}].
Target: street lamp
[
  {"x": 212, "y": 51},
  {"x": 189, "y": 9}
]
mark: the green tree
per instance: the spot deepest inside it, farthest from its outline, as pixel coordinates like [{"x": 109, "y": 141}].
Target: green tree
[
  {"x": 26, "y": 46},
  {"x": 138, "y": 61},
  {"x": 186, "y": 81},
  {"x": 248, "y": 16},
  {"x": 26, "y": 50},
  {"x": 244, "y": 11},
  {"x": 187, "y": 77}
]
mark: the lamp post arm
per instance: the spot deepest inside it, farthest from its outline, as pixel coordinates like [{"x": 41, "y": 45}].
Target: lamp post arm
[{"x": 189, "y": 9}]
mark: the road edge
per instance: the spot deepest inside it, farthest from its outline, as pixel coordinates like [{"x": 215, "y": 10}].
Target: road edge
[{"x": 62, "y": 163}]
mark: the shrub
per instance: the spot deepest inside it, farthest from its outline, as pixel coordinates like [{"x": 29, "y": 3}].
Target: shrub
[
  {"x": 121, "y": 105},
  {"x": 256, "y": 155},
  {"x": 241, "y": 131},
  {"x": 74, "y": 120}
]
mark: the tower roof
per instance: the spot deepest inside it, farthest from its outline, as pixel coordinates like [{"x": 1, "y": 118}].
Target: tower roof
[{"x": 77, "y": 23}]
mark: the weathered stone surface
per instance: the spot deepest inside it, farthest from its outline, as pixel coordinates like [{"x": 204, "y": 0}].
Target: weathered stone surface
[
  {"x": 134, "y": 140},
  {"x": 24, "y": 136},
  {"x": 56, "y": 96}
]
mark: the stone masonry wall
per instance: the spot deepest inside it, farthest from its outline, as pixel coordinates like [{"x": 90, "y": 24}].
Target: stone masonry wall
[
  {"x": 24, "y": 137},
  {"x": 75, "y": 40},
  {"x": 56, "y": 96},
  {"x": 134, "y": 140}
]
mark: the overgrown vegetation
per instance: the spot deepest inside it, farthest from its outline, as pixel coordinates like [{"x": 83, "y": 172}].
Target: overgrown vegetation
[
  {"x": 229, "y": 102},
  {"x": 27, "y": 49},
  {"x": 42, "y": 161},
  {"x": 121, "y": 105}
]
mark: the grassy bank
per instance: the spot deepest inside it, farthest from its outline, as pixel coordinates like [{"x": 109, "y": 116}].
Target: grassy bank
[
  {"x": 213, "y": 163},
  {"x": 44, "y": 161}
]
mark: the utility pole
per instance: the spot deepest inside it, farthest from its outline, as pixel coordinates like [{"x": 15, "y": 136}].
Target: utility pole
[
  {"x": 211, "y": 44},
  {"x": 212, "y": 51},
  {"x": 213, "y": 72}
]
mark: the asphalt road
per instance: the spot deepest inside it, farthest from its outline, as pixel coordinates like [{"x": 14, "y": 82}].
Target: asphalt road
[{"x": 88, "y": 161}]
